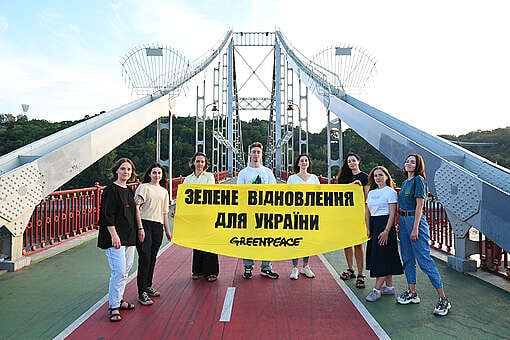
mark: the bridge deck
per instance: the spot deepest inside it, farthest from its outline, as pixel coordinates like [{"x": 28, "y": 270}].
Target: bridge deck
[
  {"x": 40, "y": 301},
  {"x": 262, "y": 308}
]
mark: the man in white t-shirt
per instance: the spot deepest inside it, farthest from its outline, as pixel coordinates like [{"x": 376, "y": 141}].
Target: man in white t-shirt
[{"x": 256, "y": 173}]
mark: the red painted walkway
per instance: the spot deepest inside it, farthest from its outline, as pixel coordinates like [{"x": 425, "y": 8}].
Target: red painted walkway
[{"x": 263, "y": 308}]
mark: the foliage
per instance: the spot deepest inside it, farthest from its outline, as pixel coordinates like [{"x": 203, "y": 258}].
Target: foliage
[
  {"x": 17, "y": 132},
  {"x": 498, "y": 151}
]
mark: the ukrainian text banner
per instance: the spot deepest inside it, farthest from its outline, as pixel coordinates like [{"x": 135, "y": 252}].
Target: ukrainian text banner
[{"x": 269, "y": 221}]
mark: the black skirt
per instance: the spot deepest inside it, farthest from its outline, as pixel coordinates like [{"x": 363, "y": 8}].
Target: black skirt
[
  {"x": 205, "y": 263},
  {"x": 382, "y": 260}
]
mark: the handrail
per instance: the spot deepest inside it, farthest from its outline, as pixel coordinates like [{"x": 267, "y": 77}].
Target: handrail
[
  {"x": 475, "y": 191},
  {"x": 66, "y": 214},
  {"x": 75, "y": 148}
]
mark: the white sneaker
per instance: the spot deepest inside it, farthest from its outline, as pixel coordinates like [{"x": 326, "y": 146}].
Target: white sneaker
[
  {"x": 294, "y": 275},
  {"x": 385, "y": 290},
  {"x": 307, "y": 271},
  {"x": 374, "y": 295},
  {"x": 443, "y": 307},
  {"x": 407, "y": 297}
]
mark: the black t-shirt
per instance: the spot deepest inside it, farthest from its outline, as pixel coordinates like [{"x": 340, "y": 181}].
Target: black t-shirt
[
  {"x": 361, "y": 176},
  {"x": 117, "y": 209}
]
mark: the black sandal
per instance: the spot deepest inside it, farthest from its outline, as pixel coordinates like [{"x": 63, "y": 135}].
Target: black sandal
[
  {"x": 360, "y": 281},
  {"x": 114, "y": 317},
  {"x": 348, "y": 274},
  {"x": 129, "y": 306},
  {"x": 211, "y": 278}
]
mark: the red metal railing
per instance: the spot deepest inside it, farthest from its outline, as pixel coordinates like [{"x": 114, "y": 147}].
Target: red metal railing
[
  {"x": 62, "y": 215},
  {"x": 493, "y": 258},
  {"x": 70, "y": 213},
  {"x": 66, "y": 214}
]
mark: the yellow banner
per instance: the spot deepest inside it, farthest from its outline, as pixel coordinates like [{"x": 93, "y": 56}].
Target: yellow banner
[{"x": 269, "y": 221}]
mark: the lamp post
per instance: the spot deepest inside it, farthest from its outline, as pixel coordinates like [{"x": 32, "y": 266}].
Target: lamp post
[
  {"x": 200, "y": 138},
  {"x": 214, "y": 109},
  {"x": 289, "y": 155},
  {"x": 334, "y": 136},
  {"x": 290, "y": 107}
]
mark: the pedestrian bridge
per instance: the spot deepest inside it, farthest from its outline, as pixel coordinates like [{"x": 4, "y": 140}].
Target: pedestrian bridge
[{"x": 474, "y": 191}]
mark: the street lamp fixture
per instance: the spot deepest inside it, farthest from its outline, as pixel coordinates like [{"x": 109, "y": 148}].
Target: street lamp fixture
[
  {"x": 214, "y": 108},
  {"x": 290, "y": 106}
]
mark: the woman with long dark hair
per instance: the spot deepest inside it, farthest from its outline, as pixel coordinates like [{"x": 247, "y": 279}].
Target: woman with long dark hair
[
  {"x": 205, "y": 264},
  {"x": 117, "y": 233},
  {"x": 152, "y": 206},
  {"x": 302, "y": 175},
  {"x": 414, "y": 235},
  {"x": 350, "y": 173}
]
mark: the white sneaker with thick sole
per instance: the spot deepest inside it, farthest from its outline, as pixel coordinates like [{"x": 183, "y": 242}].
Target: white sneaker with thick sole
[
  {"x": 374, "y": 295},
  {"x": 408, "y": 297},
  {"x": 385, "y": 290},
  {"x": 443, "y": 307},
  {"x": 307, "y": 271},
  {"x": 294, "y": 275}
]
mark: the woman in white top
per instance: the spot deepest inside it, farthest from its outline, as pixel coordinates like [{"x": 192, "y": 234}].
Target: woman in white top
[
  {"x": 383, "y": 259},
  {"x": 204, "y": 263},
  {"x": 152, "y": 206},
  {"x": 303, "y": 175}
]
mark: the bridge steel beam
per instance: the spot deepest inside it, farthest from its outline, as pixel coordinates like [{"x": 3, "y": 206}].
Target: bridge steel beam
[
  {"x": 32, "y": 172},
  {"x": 73, "y": 150},
  {"x": 277, "y": 107},
  {"x": 230, "y": 107},
  {"x": 474, "y": 191}
]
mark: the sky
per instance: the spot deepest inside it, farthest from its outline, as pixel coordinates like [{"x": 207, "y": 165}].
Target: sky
[{"x": 442, "y": 66}]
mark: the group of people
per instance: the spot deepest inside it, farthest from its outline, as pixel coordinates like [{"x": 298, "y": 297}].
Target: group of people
[
  {"x": 128, "y": 219},
  {"x": 382, "y": 256},
  {"x": 138, "y": 219}
]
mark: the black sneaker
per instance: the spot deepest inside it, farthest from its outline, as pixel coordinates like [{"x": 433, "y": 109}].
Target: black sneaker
[
  {"x": 442, "y": 307},
  {"x": 269, "y": 273},
  {"x": 408, "y": 297},
  {"x": 248, "y": 272},
  {"x": 144, "y": 299},
  {"x": 152, "y": 292}
]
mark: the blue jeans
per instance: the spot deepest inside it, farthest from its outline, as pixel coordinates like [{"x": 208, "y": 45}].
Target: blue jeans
[
  {"x": 295, "y": 261},
  {"x": 417, "y": 251},
  {"x": 266, "y": 265},
  {"x": 120, "y": 261}
]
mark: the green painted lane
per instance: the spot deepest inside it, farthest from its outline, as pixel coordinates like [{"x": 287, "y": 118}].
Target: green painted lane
[
  {"x": 479, "y": 310},
  {"x": 40, "y": 301}
]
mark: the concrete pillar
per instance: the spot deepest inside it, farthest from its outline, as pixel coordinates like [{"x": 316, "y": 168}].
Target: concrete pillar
[
  {"x": 12, "y": 247},
  {"x": 464, "y": 247}
]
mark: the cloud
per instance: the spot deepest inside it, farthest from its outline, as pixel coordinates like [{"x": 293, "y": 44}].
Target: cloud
[
  {"x": 4, "y": 25},
  {"x": 58, "y": 91},
  {"x": 433, "y": 65},
  {"x": 177, "y": 26}
]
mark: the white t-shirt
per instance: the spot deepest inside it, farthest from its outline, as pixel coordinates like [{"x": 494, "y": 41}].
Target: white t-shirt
[
  {"x": 260, "y": 175},
  {"x": 378, "y": 200},
  {"x": 295, "y": 179}
]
